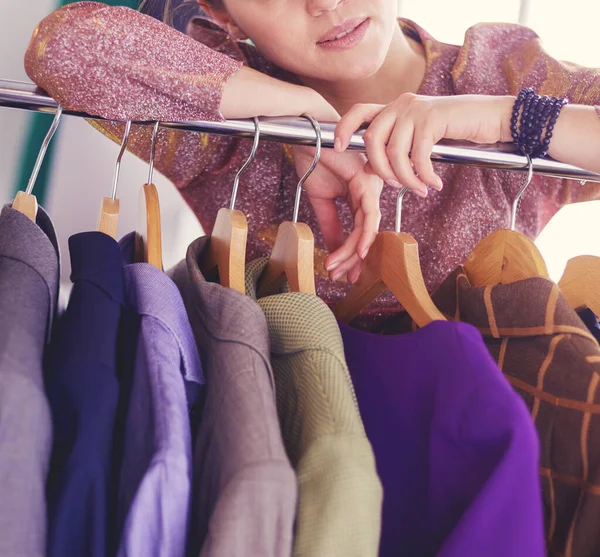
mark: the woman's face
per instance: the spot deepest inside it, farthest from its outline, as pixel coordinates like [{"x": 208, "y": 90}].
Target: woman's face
[{"x": 293, "y": 33}]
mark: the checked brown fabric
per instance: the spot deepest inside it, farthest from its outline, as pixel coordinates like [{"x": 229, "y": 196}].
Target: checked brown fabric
[{"x": 552, "y": 360}]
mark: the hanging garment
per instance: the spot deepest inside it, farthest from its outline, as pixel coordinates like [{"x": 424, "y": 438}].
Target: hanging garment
[
  {"x": 245, "y": 489},
  {"x": 155, "y": 476},
  {"x": 591, "y": 322},
  {"x": 455, "y": 448},
  {"x": 340, "y": 495},
  {"x": 29, "y": 271},
  {"x": 553, "y": 361},
  {"x": 83, "y": 390}
]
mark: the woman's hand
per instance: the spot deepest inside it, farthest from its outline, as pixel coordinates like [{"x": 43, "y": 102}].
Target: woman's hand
[
  {"x": 342, "y": 175},
  {"x": 401, "y": 135}
]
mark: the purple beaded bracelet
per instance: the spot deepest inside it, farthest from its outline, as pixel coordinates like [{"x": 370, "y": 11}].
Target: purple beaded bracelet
[{"x": 539, "y": 113}]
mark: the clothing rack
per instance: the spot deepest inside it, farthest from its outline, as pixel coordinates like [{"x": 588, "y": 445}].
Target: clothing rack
[{"x": 26, "y": 96}]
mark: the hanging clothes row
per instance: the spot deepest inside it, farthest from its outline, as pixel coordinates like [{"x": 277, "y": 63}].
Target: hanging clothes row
[{"x": 222, "y": 409}]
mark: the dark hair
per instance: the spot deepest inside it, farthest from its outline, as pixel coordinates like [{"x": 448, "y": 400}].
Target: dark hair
[{"x": 173, "y": 12}]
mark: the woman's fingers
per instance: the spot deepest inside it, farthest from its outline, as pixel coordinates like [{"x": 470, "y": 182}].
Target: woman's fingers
[
  {"x": 365, "y": 191},
  {"x": 397, "y": 152},
  {"x": 345, "y": 267},
  {"x": 422, "y": 148},
  {"x": 337, "y": 262},
  {"x": 376, "y": 138},
  {"x": 352, "y": 121},
  {"x": 354, "y": 273},
  {"x": 329, "y": 222}
]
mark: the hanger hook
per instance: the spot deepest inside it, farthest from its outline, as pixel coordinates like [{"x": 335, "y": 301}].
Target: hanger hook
[
  {"x": 153, "y": 152},
  {"x": 399, "y": 200},
  {"x": 43, "y": 149},
  {"x": 236, "y": 182},
  {"x": 317, "y": 128},
  {"x": 515, "y": 205},
  {"x": 118, "y": 163}
]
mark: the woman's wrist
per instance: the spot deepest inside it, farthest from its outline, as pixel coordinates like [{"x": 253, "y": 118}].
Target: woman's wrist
[
  {"x": 576, "y": 138},
  {"x": 318, "y": 107},
  {"x": 250, "y": 93},
  {"x": 532, "y": 122},
  {"x": 505, "y": 109}
]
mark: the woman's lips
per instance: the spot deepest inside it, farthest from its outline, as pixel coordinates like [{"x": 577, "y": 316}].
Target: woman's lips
[{"x": 349, "y": 40}]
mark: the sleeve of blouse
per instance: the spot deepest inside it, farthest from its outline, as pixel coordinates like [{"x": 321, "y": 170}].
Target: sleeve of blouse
[
  {"x": 503, "y": 58},
  {"x": 548, "y": 76},
  {"x": 581, "y": 85},
  {"x": 120, "y": 64}
]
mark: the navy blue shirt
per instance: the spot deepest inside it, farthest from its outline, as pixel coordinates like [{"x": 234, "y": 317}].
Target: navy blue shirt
[{"x": 83, "y": 389}]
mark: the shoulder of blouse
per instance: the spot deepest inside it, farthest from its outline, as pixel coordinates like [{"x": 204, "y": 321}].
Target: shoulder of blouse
[
  {"x": 115, "y": 62},
  {"x": 503, "y": 58}
]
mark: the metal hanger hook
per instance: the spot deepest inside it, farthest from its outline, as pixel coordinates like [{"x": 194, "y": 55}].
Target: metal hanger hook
[
  {"x": 515, "y": 205},
  {"x": 43, "y": 149},
  {"x": 118, "y": 163},
  {"x": 399, "y": 200},
  {"x": 236, "y": 181},
  {"x": 153, "y": 152},
  {"x": 315, "y": 161}
]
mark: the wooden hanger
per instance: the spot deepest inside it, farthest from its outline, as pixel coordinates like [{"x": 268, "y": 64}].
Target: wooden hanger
[
  {"x": 109, "y": 208},
  {"x": 227, "y": 248},
  {"x": 293, "y": 255},
  {"x": 391, "y": 264},
  {"x": 580, "y": 283},
  {"x": 148, "y": 245},
  {"x": 506, "y": 255},
  {"x": 292, "y": 259},
  {"x": 25, "y": 202},
  {"x": 148, "y": 236}
]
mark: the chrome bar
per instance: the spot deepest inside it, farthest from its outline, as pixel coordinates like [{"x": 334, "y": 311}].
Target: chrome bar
[{"x": 297, "y": 130}]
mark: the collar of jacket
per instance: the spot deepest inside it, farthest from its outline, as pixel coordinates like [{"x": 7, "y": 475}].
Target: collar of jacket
[
  {"x": 225, "y": 313},
  {"x": 96, "y": 259},
  {"x": 526, "y": 308},
  {"x": 34, "y": 245},
  {"x": 152, "y": 293},
  {"x": 296, "y": 321}
]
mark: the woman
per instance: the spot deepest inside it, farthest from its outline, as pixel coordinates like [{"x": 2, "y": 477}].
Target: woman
[{"x": 329, "y": 58}]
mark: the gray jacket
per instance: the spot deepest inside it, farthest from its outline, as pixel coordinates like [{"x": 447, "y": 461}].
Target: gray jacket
[
  {"x": 29, "y": 271},
  {"x": 245, "y": 490}
]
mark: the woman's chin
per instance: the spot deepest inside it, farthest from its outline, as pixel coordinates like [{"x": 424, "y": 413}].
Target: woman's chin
[{"x": 352, "y": 72}]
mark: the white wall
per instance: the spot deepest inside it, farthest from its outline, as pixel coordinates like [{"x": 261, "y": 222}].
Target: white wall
[{"x": 84, "y": 162}]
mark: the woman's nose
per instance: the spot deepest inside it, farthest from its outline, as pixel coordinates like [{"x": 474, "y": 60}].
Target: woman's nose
[{"x": 319, "y": 7}]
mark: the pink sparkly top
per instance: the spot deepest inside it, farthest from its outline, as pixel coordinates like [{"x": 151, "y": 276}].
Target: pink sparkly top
[{"x": 117, "y": 63}]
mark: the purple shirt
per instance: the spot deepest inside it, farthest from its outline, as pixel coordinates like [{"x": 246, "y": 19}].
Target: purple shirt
[
  {"x": 156, "y": 470},
  {"x": 456, "y": 449}
]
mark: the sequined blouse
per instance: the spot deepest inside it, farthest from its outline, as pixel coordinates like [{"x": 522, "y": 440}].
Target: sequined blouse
[{"x": 120, "y": 64}]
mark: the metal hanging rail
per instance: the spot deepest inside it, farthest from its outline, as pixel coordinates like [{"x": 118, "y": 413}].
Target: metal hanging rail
[{"x": 503, "y": 156}]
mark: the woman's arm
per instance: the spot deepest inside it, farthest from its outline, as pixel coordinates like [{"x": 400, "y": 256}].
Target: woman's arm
[
  {"x": 249, "y": 93},
  {"x": 117, "y": 63},
  {"x": 120, "y": 64},
  {"x": 401, "y": 135},
  {"x": 576, "y": 136}
]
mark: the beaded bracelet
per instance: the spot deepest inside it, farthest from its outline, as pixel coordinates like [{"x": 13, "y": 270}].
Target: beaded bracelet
[{"x": 538, "y": 113}]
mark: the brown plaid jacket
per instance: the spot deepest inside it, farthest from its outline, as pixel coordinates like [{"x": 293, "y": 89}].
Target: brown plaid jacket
[{"x": 553, "y": 361}]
